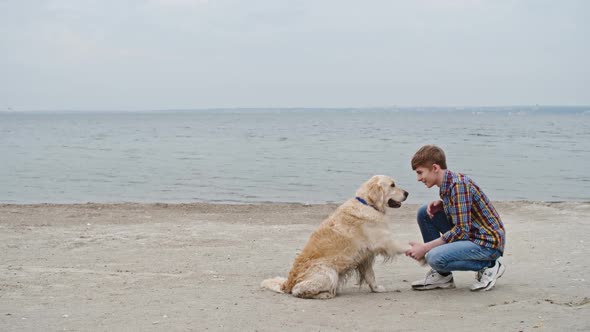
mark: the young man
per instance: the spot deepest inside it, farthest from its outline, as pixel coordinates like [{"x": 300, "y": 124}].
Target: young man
[{"x": 461, "y": 232}]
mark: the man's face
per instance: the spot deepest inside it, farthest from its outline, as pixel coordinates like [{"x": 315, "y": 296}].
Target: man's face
[{"x": 426, "y": 175}]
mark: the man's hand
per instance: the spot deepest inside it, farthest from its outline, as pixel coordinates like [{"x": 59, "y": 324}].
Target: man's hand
[
  {"x": 417, "y": 251},
  {"x": 433, "y": 208}
]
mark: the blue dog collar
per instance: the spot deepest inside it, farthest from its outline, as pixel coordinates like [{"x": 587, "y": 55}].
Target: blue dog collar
[
  {"x": 361, "y": 200},
  {"x": 365, "y": 202}
]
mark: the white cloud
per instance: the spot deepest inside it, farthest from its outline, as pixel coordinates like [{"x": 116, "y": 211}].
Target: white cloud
[
  {"x": 182, "y": 3},
  {"x": 292, "y": 53}
]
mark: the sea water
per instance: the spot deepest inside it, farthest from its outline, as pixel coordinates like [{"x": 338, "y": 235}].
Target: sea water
[{"x": 287, "y": 155}]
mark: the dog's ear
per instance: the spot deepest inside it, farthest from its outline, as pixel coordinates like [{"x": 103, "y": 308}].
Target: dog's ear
[{"x": 376, "y": 195}]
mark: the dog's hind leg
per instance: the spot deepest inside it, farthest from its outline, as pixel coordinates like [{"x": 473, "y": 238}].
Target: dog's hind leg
[
  {"x": 274, "y": 284},
  {"x": 321, "y": 284}
]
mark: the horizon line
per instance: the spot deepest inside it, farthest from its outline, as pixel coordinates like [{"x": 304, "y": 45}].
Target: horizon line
[{"x": 295, "y": 108}]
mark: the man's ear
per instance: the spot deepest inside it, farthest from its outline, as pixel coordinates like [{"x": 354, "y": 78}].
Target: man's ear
[{"x": 435, "y": 168}]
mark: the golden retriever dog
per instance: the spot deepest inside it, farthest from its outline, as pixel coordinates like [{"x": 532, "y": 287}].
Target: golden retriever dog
[{"x": 346, "y": 242}]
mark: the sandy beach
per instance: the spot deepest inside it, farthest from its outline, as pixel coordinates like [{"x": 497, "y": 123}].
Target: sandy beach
[{"x": 194, "y": 267}]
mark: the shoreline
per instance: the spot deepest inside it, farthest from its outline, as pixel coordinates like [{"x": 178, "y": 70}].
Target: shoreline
[
  {"x": 183, "y": 203},
  {"x": 198, "y": 266}
]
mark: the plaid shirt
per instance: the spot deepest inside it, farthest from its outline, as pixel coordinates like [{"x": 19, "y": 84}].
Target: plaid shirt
[{"x": 471, "y": 212}]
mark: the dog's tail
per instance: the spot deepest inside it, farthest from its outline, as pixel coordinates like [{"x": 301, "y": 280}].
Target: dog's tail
[{"x": 274, "y": 284}]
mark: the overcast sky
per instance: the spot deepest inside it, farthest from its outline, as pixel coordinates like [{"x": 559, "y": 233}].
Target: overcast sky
[{"x": 182, "y": 54}]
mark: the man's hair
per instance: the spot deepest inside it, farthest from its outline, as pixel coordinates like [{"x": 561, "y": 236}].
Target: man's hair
[{"x": 429, "y": 155}]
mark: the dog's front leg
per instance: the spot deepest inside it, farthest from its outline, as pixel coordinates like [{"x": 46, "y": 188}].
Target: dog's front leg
[
  {"x": 393, "y": 248},
  {"x": 384, "y": 244},
  {"x": 367, "y": 274},
  {"x": 370, "y": 278}
]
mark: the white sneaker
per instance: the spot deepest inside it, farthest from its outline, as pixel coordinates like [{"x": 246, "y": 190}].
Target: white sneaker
[
  {"x": 486, "y": 278},
  {"x": 434, "y": 280}
]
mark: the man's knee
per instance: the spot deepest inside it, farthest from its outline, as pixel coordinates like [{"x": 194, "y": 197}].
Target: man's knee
[
  {"x": 436, "y": 259},
  {"x": 422, "y": 215}
]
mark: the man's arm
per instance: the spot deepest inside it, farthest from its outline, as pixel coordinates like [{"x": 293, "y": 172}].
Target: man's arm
[
  {"x": 418, "y": 250},
  {"x": 460, "y": 212}
]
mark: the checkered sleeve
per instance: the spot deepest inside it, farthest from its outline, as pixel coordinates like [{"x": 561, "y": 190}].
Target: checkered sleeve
[{"x": 460, "y": 211}]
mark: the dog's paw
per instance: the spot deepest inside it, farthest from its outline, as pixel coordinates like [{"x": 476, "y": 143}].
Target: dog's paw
[{"x": 378, "y": 289}]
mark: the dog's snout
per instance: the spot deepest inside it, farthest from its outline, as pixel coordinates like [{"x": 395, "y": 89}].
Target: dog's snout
[{"x": 406, "y": 194}]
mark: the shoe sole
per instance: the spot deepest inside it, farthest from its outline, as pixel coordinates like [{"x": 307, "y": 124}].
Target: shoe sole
[
  {"x": 493, "y": 282},
  {"x": 429, "y": 287}
]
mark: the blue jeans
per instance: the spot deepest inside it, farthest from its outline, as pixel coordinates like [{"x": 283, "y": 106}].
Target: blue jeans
[{"x": 454, "y": 256}]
